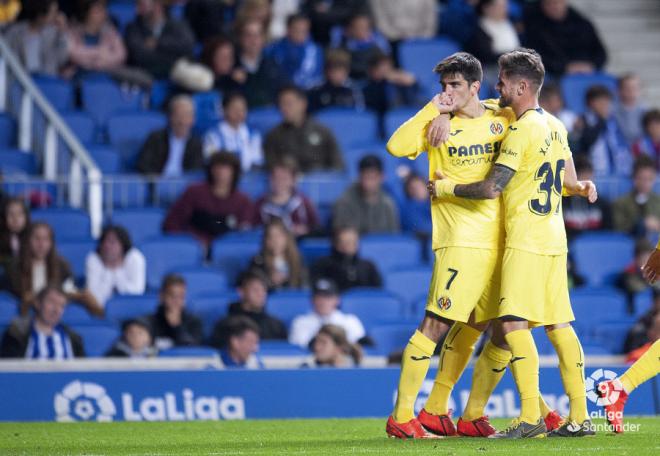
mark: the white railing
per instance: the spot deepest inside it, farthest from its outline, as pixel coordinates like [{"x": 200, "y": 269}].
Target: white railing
[{"x": 83, "y": 169}]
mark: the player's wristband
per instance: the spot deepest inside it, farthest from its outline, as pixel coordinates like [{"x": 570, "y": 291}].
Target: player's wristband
[{"x": 444, "y": 187}]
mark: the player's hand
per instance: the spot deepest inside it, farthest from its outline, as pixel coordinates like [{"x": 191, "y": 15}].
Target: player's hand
[
  {"x": 438, "y": 130},
  {"x": 588, "y": 190},
  {"x": 444, "y": 103},
  {"x": 651, "y": 270},
  {"x": 441, "y": 186}
]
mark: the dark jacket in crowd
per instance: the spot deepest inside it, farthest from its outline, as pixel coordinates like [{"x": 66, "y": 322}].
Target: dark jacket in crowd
[
  {"x": 637, "y": 336},
  {"x": 269, "y": 326},
  {"x": 16, "y": 337},
  {"x": 326, "y": 15},
  {"x": 581, "y": 216},
  {"x": 313, "y": 146},
  {"x": 261, "y": 86},
  {"x": 346, "y": 271},
  {"x": 331, "y": 96},
  {"x": 155, "y": 152},
  {"x": 560, "y": 43},
  {"x": 209, "y": 18},
  {"x": 189, "y": 332},
  {"x": 628, "y": 215}
]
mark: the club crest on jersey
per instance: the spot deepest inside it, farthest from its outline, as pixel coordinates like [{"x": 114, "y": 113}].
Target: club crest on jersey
[
  {"x": 496, "y": 128},
  {"x": 444, "y": 303}
]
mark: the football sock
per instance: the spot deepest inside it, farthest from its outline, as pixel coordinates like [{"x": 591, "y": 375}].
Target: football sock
[
  {"x": 454, "y": 356},
  {"x": 414, "y": 366},
  {"x": 525, "y": 369},
  {"x": 644, "y": 368},
  {"x": 545, "y": 409},
  {"x": 571, "y": 366},
  {"x": 488, "y": 371}
]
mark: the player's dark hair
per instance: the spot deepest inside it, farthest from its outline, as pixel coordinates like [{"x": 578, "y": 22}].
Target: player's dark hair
[
  {"x": 525, "y": 64},
  {"x": 650, "y": 117},
  {"x": 462, "y": 63},
  {"x": 170, "y": 280},
  {"x": 597, "y": 91},
  {"x": 643, "y": 162},
  {"x": 224, "y": 158}
]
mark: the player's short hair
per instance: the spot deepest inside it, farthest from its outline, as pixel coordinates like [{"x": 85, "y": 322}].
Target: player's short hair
[
  {"x": 597, "y": 91},
  {"x": 523, "y": 63},
  {"x": 650, "y": 117},
  {"x": 643, "y": 162},
  {"x": 170, "y": 280},
  {"x": 462, "y": 63}
]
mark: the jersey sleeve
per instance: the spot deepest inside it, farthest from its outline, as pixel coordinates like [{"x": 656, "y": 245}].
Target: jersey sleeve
[
  {"x": 409, "y": 140},
  {"x": 513, "y": 147}
]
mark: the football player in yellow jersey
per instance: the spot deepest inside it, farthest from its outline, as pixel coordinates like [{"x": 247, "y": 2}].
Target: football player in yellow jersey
[{"x": 533, "y": 167}]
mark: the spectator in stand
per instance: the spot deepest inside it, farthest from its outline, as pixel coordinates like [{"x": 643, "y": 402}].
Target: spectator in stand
[
  {"x": 115, "y": 267},
  {"x": 279, "y": 259},
  {"x": 579, "y": 215},
  {"x": 344, "y": 266},
  {"x": 630, "y": 109},
  {"x": 331, "y": 348},
  {"x": 280, "y": 11},
  {"x": 233, "y": 134},
  {"x": 388, "y": 87},
  {"x": 638, "y": 212},
  {"x": 416, "y": 208},
  {"x": 632, "y": 280},
  {"x": 652, "y": 335},
  {"x": 338, "y": 91},
  {"x": 209, "y": 18},
  {"x": 297, "y": 54},
  {"x": 638, "y": 334},
  {"x": 601, "y": 137},
  {"x": 284, "y": 202},
  {"x": 242, "y": 344},
  {"x": 260, "y": 76},
  {"x": 567, "y": 41},
  {"x": 325, "y": 310},
  {"x": 220, "y": 57},
  {"x": 363, "y": 42},
  {"x": 253, "y": 293},
  {"x": 39, "y": 265},
  {"x": 43, "y": 336},
  {"x": 136, "y": 341},
  {"x": 649, "y": 144},
  {"x": 312, "y": 144},
  {"x": 552, "y": 101},
  {"x": 254, "y": 10},
  {"x": 176, "y": 149},
  {"x": 398, "y": 20},
  {"x": 155, "y": 41},
  {"x": 172, "y": 324},
  {"x": 13, "y": 228},
  {"x": 39, "y": 39},
  {"x": 365, "y": 204},
  {"x": 212, "y": 208},
  {"x": 96, "y": 45},
  {"x": 326, "y": 16},
  {"x": 9, "y": 10}
]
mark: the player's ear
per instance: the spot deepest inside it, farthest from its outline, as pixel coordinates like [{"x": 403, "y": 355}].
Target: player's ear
[{"x": 474, "y": 88}]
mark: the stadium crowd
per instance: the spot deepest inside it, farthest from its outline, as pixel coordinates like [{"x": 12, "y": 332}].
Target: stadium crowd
[{"x": 297, "y": 58}]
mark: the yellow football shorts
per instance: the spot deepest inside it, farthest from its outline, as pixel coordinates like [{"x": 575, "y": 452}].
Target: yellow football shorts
[
  {"x": 465, "y": 279},
  {"x": 535, "y": 287}
]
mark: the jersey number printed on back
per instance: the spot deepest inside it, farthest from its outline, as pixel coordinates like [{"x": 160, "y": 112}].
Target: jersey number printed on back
[{"x": 551, "y": 184}]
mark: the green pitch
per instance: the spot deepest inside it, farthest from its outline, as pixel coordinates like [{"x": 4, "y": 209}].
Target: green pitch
[{"x": 294, "y": 437}]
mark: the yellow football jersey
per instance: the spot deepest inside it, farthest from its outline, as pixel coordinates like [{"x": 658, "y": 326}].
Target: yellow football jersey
[
  {"x": 536, "y": 147},
  {"x": 466, "y": 157}
]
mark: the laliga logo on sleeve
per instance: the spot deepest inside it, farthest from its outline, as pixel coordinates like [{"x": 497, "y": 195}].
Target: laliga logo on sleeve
[
  {"x": 81, "y": 401},
  {"x": 598, "y": 391}
]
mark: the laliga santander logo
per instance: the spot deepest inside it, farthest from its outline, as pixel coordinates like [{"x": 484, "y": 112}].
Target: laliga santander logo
[
  {"x": 598, "y": 391},
  {"x": 84, "y": 401}
]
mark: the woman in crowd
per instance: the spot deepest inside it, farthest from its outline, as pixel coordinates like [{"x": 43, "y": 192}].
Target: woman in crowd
[
  {"x": 331, "y": 348},
  {"x": 220, "y": 57},
  {"x": 13, "y": 226}
]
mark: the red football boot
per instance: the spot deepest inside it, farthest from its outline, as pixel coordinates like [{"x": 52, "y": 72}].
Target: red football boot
[
  {"x": 553, "y": 420},
  {"x": 614, "y": 399},
  {"x": 409, "y": 430},
  {"x": 441, "y": 425},
  {"x": 480, "y": 427}
]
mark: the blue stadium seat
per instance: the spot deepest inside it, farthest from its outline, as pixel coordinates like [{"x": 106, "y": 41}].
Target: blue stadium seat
[
  {"x": 189, "y": 352},
  {"x": 543, "y": 344},
  {"x": 574, "y": 88},
  {"x": 142, "y": 224},
  {"x": 106, "y": 158},
  {"x": 75, "y": 252},
  {"x": 280, "y": 348},
  {"x": 233, "y": 255},
  {"x": 592, "y": 306},
  {"x": 391, "y": 338},
  {"x": 82, "y": 125},
  {"x": 408, "y": 284},
  {"x": 211, "y": 308},
  {"x": 14, "y": 161},
  {"x": 126, "y": 191},
  {"x": 58, "y": 91},
  {"x": 8, "y": 307},
  {"x": 97, "y": 339},
  {"x": 123, "y": 12},
  {"x": 203, "y": 281},
  {"x": 314, "y": 248},
  {"x": 208, "y": 110},
  {"x": 288, "y": 304},
  {"x": 254, "y": 184},
  {"x": 612, "y": 187},
  {"x": 160, "y": 92},
  {"x": 324, "y": 187},
  {"x": 264, "y": 119},
  {"x": 420, "y": 56},
  {"x": 391, "y": 251},
  {"x": 76, "y": 314},
  {"x": 418, "y": 305},
  {"x": 8, "y": 131},
  {"x": 168, "y": 190},
  {"x": 395, "y": 117},
  {"x": 103, "y": 97},
  {"x": 120, "y": 308},
  {"x": 600, "y": 257},
  {"x": 642, "y": 303},
  {"x": 372, "y": 306},
  {"x": 168, "y": 253},
  {"x": 351, "y": 128},
  {"x": 596, "y": 350},
  {"x": 127, "y": 132},
  {"x": 68, "y": 223},
  {"x": 32, "y": 191},
  {"x": 611, "y": 335}
]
